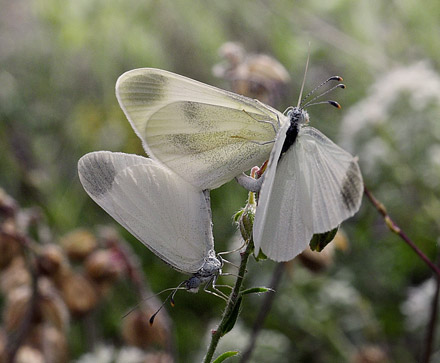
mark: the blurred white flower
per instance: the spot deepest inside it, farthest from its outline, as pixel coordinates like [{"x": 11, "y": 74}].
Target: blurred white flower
[
  {"x": 419, "y": 81},
  {"x": 108, "y": 354},
  {"x": 417, "y": 306},
  {"x": 397, "y": 125}
]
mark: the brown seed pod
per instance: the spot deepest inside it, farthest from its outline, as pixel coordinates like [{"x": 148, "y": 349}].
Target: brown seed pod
[
  {"x": 26, "y": 354},
  {"x": 8, "y": 206},
  {"x": 50, "y": 341},
  {"x": 79, "y": 243},
  {"x": 254, "y": 75},
  {"x": 319, "y": 261},
  {"x": 51, "y": 306},
  {"x": 158, "y": 357},
  {"x": 137, "y": 331},
  {"x": 48, "y": 307},
  {"x": 104, "y": 266},
  {"x": 78, "y": 293},
  {"x": 3, "y": 344},
  {"x": 15, "y": 275},
  {"x": 370, "y": 354},
  {"x": 9, "y": 245},
  {"x": 17, "y": 305},
  {"x": 51, "y": 260}
]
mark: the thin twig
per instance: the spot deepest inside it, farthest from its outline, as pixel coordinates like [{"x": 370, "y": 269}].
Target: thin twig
[
  {"x": 397, "y": 230},
  {"x": 264, "y": 311},
  {"x": 233, "y": 299},
  {"x": 430, "y": 335}
]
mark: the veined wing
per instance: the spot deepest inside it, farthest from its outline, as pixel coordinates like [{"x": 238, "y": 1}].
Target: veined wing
[
  {"x": 160, "y": 209},
  {"x": 204, "y": 134},
  {"x": 282, "y": 227},
  {"x": 316, "y": 186},
  {"x": 333, "y": 178}
]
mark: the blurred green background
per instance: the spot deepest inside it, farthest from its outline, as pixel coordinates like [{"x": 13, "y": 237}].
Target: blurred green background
[{"x": 59, "y": 61}]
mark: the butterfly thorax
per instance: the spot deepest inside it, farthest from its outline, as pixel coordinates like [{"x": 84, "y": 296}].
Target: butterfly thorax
[
  {"x": 211, "y": 268},
  {"x": 297, "y": 117}
]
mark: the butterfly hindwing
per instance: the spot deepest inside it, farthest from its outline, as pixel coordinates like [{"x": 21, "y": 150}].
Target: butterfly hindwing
[{"x": 164, "y": 212}]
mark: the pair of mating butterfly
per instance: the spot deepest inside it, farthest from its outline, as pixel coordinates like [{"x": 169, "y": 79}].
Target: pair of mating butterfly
[{"x": 199, "y": 137}]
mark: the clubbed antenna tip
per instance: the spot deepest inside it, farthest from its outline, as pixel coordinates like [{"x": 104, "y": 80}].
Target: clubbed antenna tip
[{"x": 334, "y": 103}]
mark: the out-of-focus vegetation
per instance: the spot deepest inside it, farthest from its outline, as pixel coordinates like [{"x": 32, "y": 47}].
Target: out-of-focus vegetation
[{"x": 59, "y": 61}]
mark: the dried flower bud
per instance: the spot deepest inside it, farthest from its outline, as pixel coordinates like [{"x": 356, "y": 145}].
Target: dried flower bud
[
  {"x": 137, "y": 331},
  {"x": 26, "y": 354},
  {"x": 50, "y": 341},
  {"x": 15, "y": 275},
  {"x": 16, "y": 307},
  {"x": 3, "y": 345},
  {"x": 78, "y": 293},
  {"x": 79, "y": 243},
  {"x": 8, "y": 206},
  {"x": 9, "y": 246},
  {"x": 370, "y": 354},
  {"x": 158, "y": 357},
  {"x": 254, "y": 75},
  {"x": 51, "y": 260},
  {"x": 49, "y": 307},
  {"x": 317, "y": 261},
  {"x": 103, "y": 266}
]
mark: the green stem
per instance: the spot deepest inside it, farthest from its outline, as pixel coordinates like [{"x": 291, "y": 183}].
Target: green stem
[{"x": 233, "y": 298}]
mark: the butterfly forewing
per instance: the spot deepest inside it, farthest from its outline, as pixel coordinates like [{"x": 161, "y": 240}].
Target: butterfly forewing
[
  {"x": 283, "y": 225},
  {"x": 315, "y": 187},
  {"x": 333, "y": 179},
  {"x": 204, "y": 134},
  {"x": 164, "y": 212}
]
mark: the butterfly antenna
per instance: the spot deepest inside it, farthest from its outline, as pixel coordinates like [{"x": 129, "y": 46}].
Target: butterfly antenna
[
  {"x": 340, "y": 85},
  {"x": 148, "y": 298},
  {"x": 333, "y": 78},
  {"x": 170, "y": 296},
  {"x": 304, "y": 78}
]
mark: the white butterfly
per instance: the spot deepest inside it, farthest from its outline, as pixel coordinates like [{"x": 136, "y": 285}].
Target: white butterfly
[
  {"x": 165, "y": 213},
  {"x": 208, "y": 136},
  {"x": 310, "y": 186},
  {"x": 204, "y": 134}
]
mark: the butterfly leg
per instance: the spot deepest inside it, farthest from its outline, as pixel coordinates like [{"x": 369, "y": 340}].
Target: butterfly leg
[{"x": 249, "y": 183}]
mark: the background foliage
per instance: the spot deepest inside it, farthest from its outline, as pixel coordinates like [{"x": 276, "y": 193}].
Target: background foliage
[{"x": 59, "y": 61}]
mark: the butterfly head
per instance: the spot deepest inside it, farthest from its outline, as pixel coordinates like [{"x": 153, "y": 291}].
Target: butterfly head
[{"x": 298, "y": 116}]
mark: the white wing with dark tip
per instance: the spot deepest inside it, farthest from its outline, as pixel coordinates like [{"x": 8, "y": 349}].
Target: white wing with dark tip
[
  {"x": 164, "y": 212},
  {"x": 204, "y": 134},
  {"x": 313, "y": 188}
]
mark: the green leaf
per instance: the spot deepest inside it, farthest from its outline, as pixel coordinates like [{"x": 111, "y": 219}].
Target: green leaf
[
  {"x": 257, "y": 290},
  {"x": 261, "y": 256},
  {"x": 224, "y": 356},
  {"x": 238, "y": 215},
  {"x": 233, "y": 317},
  {"x": 320, "y": 240}
]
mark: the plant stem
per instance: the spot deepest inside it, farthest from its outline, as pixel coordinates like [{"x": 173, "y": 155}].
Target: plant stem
[
  {"x": 264, "y": 310},
  {"x": 430, "y": 335},
  {"x": 397, "y": 230},
  {"x": 233, "y": 298}
]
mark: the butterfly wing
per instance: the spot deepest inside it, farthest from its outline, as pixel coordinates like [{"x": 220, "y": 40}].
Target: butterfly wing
[
  {"x": 316, "y": 186},
  {"x": 164, "y": 212},
  {"x": 281, "y": 227},
  {"x": 334, "y": 180},
  {"x": 204, "y": 134}
]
